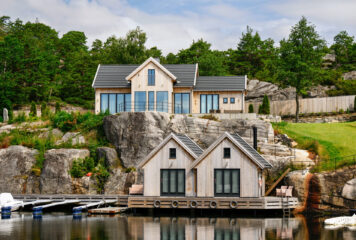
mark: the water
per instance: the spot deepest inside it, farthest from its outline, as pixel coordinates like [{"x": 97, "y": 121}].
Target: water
[{"x": 63, "y": 226}]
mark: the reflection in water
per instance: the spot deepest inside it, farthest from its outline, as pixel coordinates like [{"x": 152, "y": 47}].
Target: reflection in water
[{"x": 61, "y": 226}]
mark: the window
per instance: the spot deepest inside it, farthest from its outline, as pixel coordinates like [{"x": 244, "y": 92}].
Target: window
[
  {"x": 172, "y": 231},
  {"x": 227, "y": 234},
  {"x": 181, "y": 103},
  {"x": 151, "y": 77},
  {"x": 227, "y": 182},
  {"x": 225, "y": 100},
  {"x": 115, "y": 103},
  {"x": 140, "y": 101},
  {"x": 172, "y": 153},
  {"x": 232, "y": 100},
  {"x": 162, "y": 101},
  {"x": 209, "y": 102},
  {"x": 172, "y": 182},
  {"x": 227, "y": 153},
  {"x": 151, "y": 101}
]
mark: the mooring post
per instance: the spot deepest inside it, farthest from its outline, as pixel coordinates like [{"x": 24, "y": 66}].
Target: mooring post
[{"x": 5, "y": 212}]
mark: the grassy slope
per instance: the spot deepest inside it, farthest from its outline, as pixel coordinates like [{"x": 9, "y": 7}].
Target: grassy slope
[{"x": 329, "y": 140}]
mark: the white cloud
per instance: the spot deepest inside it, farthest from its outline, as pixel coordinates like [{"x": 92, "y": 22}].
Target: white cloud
[{"x": 218, "y": 22}]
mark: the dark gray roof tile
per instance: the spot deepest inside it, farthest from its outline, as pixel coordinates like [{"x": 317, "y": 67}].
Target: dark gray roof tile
[
  {"x": 220, "y": 83},
  {"x": 189, "y": 143}
]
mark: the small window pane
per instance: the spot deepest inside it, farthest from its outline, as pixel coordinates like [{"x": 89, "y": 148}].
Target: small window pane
[
  {"x": 151, "y": 77},
  {"x": 162, "y": 101},
  {"x": 225, "y": 100},
  {"x": 181, "y": 181},
  {"x": 128, "y": 102},
  {"x": 165, "y": 181},
  {"x": 227, "y": 153},
  {"x": 112, "y": 103},
  {"x": 209, "y": 102},
  {"x": 104, "y": 103},
  {"x": 140, "y": 101},
  {"x": 227, "y": 186},
  {"x": 215, "y": 102},
  {"x": 185, "y": 103},
  {"x": 173, "y": 181},
  {"x": 120, "y": 102},
  {"x": 172, "y": 153},
  {"x": 218, "y": 176},
  {"x": 232, "y": 100},
  {"x": 235, "y": 181},
  {"x": 151, "y": 101},
  {"x": 203, "y": 103}
]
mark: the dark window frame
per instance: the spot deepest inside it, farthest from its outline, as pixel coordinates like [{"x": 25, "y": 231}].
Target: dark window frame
[
  {"x": 169, "y": 182},
  {"x": 227, "y": 154},
  {"x": 223, "y": 182},
  {"x": 232, "y": 100},
  {"x": 180, "y": 108},
  {"x": 206, "y": 102},
  {"x": 172, "y": 153},
  {"x": 225, "y": 232},
  {"x": 108, "y": 100},
  {"x": 175, "y": 228},
  {"x": 227, "y": 100},
  {"x": 151, "y": 81}
]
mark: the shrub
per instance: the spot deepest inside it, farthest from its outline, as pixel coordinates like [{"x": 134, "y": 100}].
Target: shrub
[
  {"x": 210, "y": 117},
  {"x": 1, "y": 119},
  {"x": 101, "y": 176},
  {"x": 21, "y": 117},
  {"x": 58, "y": 107},
  {"x": 265, "y": 107},
  {"x": 33, "y": 110},
  {"x": 130, "y": 169},
  {"x": 260, "y": 111},
  {"x": 341, "y": 111},
  {"x": 250, "y": 108},
  {"x": 82, "y": 166},
  {"x": 44, "y": 111},
  {"x": 64, "y": 121}
]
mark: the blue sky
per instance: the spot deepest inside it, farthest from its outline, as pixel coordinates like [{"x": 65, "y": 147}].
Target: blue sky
[{"x": 173, "y": 25}]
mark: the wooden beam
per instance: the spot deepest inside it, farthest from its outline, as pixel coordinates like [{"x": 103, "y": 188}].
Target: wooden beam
[{"x": 276, "y": 182}]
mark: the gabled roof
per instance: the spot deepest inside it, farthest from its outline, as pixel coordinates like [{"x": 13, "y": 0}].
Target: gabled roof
[
  {"x": 155, "y": 62},
  {"x": 241, "y": 144},
  {"x": 220, "y": 83},
  {"x": 183, "y": 140},
  {"x": 114, "y": 76}
]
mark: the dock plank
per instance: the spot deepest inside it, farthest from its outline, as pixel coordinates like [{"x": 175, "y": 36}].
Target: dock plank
[{"x": 108, "y": 210}]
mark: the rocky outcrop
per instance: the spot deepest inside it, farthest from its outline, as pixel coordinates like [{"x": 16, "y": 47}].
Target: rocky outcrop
[
  {"x": 349, "y": 190},
  {"x": 120, "y": 182},
  {"x": 257, "y": 89},
  {"x": 135, "y": 135},
  {"x": 74, "y": 137},
  {"x": 109, "y": 155},
  {"x": 56, "y": 133},
  {"x": 16, "y": 163},
  {"x": 55, "y": 177},
  {"x": 349, "y": 75}
]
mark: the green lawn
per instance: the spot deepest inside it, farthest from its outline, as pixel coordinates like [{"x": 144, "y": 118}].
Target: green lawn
[{"x": 329, "y": 140}]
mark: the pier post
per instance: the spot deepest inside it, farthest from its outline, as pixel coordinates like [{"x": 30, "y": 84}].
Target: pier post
[{"x": 5, "y": 212}]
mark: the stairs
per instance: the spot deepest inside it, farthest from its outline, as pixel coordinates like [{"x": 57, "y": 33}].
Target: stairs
[{"x": 285, "y": 207}]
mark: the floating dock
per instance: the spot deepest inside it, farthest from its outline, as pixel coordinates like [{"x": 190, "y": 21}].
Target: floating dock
[{"x": 108, "y": 210}]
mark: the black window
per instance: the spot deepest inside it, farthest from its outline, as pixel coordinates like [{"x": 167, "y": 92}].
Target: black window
[
  {"x": 227, "y": 182},
  {"x": 232, "y": 100},
  {"x": 172, "y": 182},
  {"x": 225, "y": 100},
  {"x": 227, "y": 153},
  {"x": 227, "y": 234},
  {"x": 172, "y": 153}
]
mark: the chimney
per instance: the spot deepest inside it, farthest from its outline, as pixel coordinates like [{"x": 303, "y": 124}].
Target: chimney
[{"x": 255, "y": 138}]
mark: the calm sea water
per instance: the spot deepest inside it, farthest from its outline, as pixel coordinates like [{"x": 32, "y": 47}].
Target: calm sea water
[{"x": 63, "y": 226}]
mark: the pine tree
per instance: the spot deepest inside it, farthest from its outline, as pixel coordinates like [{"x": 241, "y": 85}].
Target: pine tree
[
  {"x": 266, "y": 105},
  {"x": 250, "y": 108}
]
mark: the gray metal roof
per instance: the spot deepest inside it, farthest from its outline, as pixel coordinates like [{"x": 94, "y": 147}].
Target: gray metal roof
[
  {"x": 252, "y": 151},
  {"x": 220, "y": 83},
  {"x": 113, "y": 76},
  {"x": 189, "y": 143}
]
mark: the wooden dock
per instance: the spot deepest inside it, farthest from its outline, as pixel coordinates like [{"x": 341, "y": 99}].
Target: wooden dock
[
  {"x": 213, "y": 202},
  {"x": 108, "y": 210}
]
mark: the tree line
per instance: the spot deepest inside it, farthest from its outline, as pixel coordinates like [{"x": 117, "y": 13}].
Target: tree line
[{"x": 39, "y": 66}]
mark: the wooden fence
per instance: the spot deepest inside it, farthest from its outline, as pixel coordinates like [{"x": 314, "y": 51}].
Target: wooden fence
[{"x": 308, "y": 105}]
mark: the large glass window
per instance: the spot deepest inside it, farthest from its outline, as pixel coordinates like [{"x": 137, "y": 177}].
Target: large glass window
[
  {"x": 151, "y": 77},
  {"x": 151, "y": 101},
  {"x": 227, "y": 234},
  {"x": 182, "y": 103},
  {"x": 140, "y": 101},
  {"x": 227, "y": 182},
  {"x": 209, "y": 102},
  {"x": 104, "y": 102},
  {"x": 115, "y": 103},
  {"x": 162, "y": 101},
  {"x": 172, "y": 181}
]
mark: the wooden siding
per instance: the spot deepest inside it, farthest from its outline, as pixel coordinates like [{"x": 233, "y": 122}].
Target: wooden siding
[
  {"x": 237, "y": 106},
  {"x": 161, "y": 161},
  {"x": 249, "y": 186}
]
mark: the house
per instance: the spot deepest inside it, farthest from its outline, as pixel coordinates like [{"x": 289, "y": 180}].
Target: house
[
  {"x": 167, "y": 167},
  {"x": 230, "y": 167},
  {"x": 171, "y": 88}
]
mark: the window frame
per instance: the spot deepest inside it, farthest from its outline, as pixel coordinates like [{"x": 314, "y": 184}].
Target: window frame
[
  {"x": 232, "y": 100},
  {"x": 151, "y": 77},
  {"x": 107, "y": 95},
  {"x": 205, "y": 110},
  {"x": 227, "y": 156},
  {"x": 223, "y": 182},
  {"x": 178, "y": 99},
  {"x": 170, "y": 153},
  {"x": 227, "y": 100},
  {"x": 176, "y": 170}
]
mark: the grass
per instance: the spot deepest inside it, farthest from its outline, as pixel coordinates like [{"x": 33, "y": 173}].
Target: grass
[{"x": 331, "y": 141}]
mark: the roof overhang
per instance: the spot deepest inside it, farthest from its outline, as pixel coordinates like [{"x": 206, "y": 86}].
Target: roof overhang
[
  {"x": 154, "y": 61},
  {"x": 96, "y": 74}
]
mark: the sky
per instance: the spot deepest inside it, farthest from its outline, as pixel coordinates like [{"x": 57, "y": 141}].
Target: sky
[{"x": 173, "y": 25}]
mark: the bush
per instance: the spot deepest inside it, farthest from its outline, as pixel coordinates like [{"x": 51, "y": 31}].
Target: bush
[
  {"x": 21, "y": 117},
  {"x": 101, "y": 176},
  {"x": 260, "y": 111},
  {"x": 58, "y": 107},
  {"x": 44, "y": 111},
  {"x": 341, "y": 111},
  {"x": 33, "y": 110},
  {"x": 64, "y": 121},
  {"x": 210, "y": 117},
  {"x": 265, "y": 107},
  {"x": 1, "y": 119},
  {"x": 82, "y": 166},
  {"x": 250, "y": 108}
]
